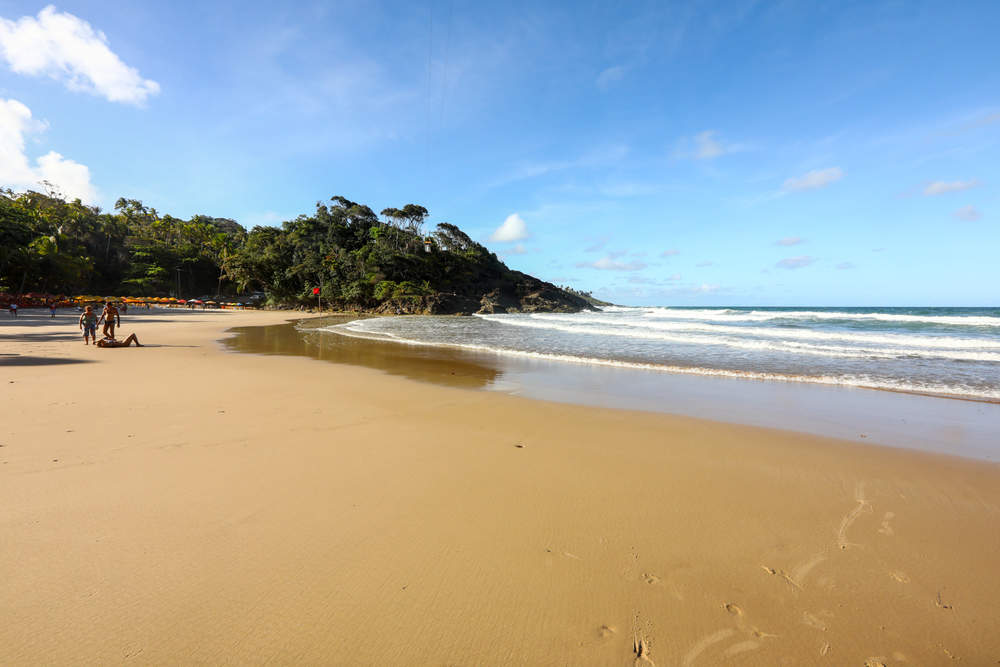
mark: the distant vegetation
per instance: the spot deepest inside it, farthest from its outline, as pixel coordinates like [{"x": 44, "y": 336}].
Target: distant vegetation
[{"x": 358, "y": 259}]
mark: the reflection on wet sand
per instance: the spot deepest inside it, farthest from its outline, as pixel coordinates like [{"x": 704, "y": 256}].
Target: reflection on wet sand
[
  {"x": 963, "y": 428},
  {"x": 300, "y": 338}
]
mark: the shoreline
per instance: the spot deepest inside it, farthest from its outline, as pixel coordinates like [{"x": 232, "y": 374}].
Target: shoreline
[
  {"x": 894, "y": 419},
  {"x": 661, "y": 368},
  {"x": 180, "y": 503}
]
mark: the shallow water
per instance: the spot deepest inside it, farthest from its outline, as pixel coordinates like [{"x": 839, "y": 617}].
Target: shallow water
[
  {"x": 963, "y": 428},
  {"x": 940, "y": 351}
]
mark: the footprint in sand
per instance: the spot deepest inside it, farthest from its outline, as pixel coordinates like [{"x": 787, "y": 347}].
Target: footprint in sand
[
  {"x": 781, "y": 574},
  {"x": 642, "y": 643},
  {"x": 732, "y": 609},
  {"x": 651, "y": 579},
  {"x": 875, "y": 662},
  {"x": 641, "y": 649}
]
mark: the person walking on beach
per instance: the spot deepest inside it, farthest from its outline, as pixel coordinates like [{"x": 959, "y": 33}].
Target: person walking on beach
[
  {"x": 88, "y": 323},
  {"x": 52, "y": 309},
  {"x": 108, "y": 316},
  {"x": 13, "y": 309}
]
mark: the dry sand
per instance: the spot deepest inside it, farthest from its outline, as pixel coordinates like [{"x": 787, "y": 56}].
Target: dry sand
[{"x": 183, "y": 504}]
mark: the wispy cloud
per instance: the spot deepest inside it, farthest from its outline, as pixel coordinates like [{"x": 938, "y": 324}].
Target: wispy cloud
[
  {"x": 811, "y": 180},
  {"x": 610, "y": 264},
  {"x": 68, "y": 49},
  {"x": 596, "y": 158},
  {"x": 610, "y": 76},
  {"x": 513, "y": 229},
  {"x": 670, "y": 253},
  {"x": 968, "y": 213},
  {"x": 646, "y": 280},
  {"x": 790, "y": 240},
  {"x": 795, "y": 262},
  {"x": 70, "y": 178},
  {"x": 846, "y": 265},
  {"x": 706, "y": 145},
  {"x": 519, "y": 249},
  {"x": 704, "y": 263},
  {"x": 943, "y": 187}
]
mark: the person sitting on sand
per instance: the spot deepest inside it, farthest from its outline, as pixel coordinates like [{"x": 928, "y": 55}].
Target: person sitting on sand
[
  {"x": 108, "y": 317},
  {"x": 88, "y": 323},
  {"x": 111, "y": 342}
]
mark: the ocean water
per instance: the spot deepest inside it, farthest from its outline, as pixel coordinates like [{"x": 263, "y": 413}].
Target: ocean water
[{"x": 952, "y": 352}]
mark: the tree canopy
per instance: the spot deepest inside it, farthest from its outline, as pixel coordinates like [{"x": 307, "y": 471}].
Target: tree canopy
[{"x": 358, "y": 259}]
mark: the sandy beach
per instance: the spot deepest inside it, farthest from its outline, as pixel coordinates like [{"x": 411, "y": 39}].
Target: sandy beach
[{"x": 181, "y": 503}]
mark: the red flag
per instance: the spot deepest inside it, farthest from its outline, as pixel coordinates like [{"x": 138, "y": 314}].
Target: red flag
[{"x": 315, "y": 291}]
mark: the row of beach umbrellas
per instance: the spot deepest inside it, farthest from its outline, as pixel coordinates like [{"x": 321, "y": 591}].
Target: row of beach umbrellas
[{"x": 63, "y": 301}]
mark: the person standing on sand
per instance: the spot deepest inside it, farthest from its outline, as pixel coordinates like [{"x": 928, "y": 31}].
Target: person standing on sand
[
  {"x": 52, "y": 309},
  {"x": 13, "y": 309},
  {"x": 88, "y": 323},
  {"x": 108, "y": 317}
]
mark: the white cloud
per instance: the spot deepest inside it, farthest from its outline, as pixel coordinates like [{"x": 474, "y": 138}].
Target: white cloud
[
  {"x": 512, "y": 229},
  {"x": 68, "y": 49},
  {"x": 69, "y": 177},
  {"x": 670, "y": 253},
  {"x": 609, "y": 76},
  {"x": 845, "y": 265},
  {"x": 795, "y": 262},
  {"x": 968, "y": 213},
  {"x": 811, "y": 180},
  {"x": 942, "y": 187},
  {"x": 643, "y": 280},
  {"x": 789, "y": 240},
  {"x": 706, "y": 262},
  {"x": 609, "y": 264},
  {"x": 706, "y": 146}
]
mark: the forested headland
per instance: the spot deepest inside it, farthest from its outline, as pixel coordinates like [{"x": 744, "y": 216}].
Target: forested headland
[{"x": 359, "y": 260}]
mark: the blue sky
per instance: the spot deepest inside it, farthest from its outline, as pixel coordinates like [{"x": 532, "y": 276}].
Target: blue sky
[{"x": 767, "y": 153}]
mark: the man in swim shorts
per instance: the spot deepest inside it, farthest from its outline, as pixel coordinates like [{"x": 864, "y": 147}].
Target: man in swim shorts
[
  {"x": 108, "y": 317},
  {"x": 88, "y": 324}
]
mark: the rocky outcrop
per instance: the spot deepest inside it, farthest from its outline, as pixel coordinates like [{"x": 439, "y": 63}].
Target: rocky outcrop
[{"x": 525, "y": 295}]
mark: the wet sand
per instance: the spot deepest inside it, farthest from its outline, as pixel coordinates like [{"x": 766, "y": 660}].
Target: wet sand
[
  {"x": 909, "y": 421},
  {"x": 181, "y": 503}
]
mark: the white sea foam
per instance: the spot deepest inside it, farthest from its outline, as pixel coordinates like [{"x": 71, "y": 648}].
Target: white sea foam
[
  {"x": 732, "y": 315},
  {"x": 356, "y": 329},
  {"x": 861, "y": 344}
]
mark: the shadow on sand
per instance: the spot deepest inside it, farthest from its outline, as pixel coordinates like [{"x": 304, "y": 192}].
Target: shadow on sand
[{"x": 25, "y": 360}]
